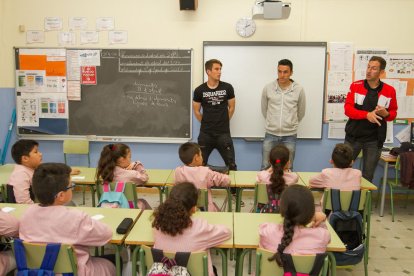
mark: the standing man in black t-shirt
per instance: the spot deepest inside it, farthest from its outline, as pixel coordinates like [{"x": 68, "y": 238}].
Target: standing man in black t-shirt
[{"x": 217, "y": 100}]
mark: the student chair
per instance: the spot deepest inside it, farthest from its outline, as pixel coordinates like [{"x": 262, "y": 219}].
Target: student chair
[
  {"x": 77, "y": 147},
  {"x": 260, "y": 195},
  {"x": 197, "y": 264},
  {"x": 364, "y": 208},
  {"x": 394, "y": 185},
  {"x": 303, "y": 264},
  {"x": 3, "y": 192},
  {"x": 9, "y": 194},
  {"x": 130, "y": 191},
  {"x": 66, "y": 260},
  {"x": 202, "y": 197}
]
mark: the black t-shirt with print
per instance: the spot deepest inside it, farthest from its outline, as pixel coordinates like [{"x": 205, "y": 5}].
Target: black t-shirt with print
[{"x": 215, "y": 107}]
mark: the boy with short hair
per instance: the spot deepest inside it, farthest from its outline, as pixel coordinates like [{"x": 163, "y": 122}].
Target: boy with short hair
[
  {"x": 193, "y": 171},
  {"x": 27, "y": 156},
  {"x": 60, "y": 224}
]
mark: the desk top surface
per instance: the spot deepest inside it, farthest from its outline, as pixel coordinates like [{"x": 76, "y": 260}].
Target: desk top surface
[
  {"x": 142, "y": 232},
  {"x": 246, "y": 230},
  {"x": 247, "y": 179},
  {"x": 112, "y": 217},
  {"x": 365, "y": 184}
]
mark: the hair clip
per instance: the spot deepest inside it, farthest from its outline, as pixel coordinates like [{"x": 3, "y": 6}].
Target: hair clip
[
  {"x": 277, "y": 161},
  {"x": 112, "y": 147}
]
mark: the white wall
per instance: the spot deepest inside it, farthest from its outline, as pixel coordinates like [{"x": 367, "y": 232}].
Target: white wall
[{"x": 160, "y": 24}]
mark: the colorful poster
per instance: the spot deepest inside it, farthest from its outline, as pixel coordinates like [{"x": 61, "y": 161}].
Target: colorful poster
[
  {"x": 88, "y": 75},
  {"x": 30, "y": 81},
  {"x": 53, "y": 105},
  {"x": 27, "y": 110},
  {"x": 400, "y": 66}
]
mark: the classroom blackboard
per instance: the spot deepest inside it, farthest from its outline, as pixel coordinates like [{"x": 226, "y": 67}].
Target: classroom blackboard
[
  {"x": 134, "y": 94},
  {"x": 249, "y": 66}
]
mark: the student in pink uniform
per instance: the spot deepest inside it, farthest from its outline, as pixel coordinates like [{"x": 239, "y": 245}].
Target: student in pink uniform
[
  {"x": 115, "y": 166},
  {"x": 175, "y": 229},
  {"x": 295, "y": 235},
  {"x": 342, "y": 176},
  {"x": 278, "y": 174},
  {"x": 193, "y": 171},
  {"x": 51, "y": 222},
  {"x": 9, "y": 227},
  {"x": 27, "y": 156}
]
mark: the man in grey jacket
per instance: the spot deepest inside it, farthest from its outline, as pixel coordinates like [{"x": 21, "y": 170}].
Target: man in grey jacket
[{"x": 283, "y": 107}]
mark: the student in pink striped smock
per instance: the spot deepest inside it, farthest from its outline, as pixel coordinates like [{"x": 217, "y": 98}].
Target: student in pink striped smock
[
  {"x": 9, "y": 227},
  {"x": 115, "y": 166},
  {"x": 302, "y": 231},
  {"x": 176, "y": 230},
  {"x": 193, "y": 171},
  {"x": 342, "y": 176}
]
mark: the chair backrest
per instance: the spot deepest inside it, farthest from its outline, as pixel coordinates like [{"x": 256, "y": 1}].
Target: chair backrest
[
  {"x": 9, "y": 194},
  {"x": 202, "y": 201},
  {"x": 66, "y": 261},
  {"x": 397, "y": 171},
  {"x": 197, "y": 264},
  {"x": 303, "y": 263},
  {"x": 3, "y": 192},
  {"x": 261, "y": 194},
  {"x": 345, "y": 197},
  {"x": 76, "y": 147},
  {"x": 130, "y": 191}
]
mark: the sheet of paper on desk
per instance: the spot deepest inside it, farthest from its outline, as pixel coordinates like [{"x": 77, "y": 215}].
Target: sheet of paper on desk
[
  {"x": 8, "y": 209},
  {"x": 98, "y": 217},
  {"x": 78, "y": 177}
]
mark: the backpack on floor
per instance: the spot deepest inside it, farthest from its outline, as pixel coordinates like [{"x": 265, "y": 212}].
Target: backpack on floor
[
  {"x": 348, "y": 226},
  {"x": 273, "y": 203},
  {"x": 48, "y": 262},
  {"x": 113, "y": 199},
  {"x": 289, "y": 266},
  {"x": 163, "y": 266}
]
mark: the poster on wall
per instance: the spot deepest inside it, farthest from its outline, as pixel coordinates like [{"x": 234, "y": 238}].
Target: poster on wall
[
  {"x": 27, "y": 110},
  {"x": 88, "y": 75},
  {"x": 400, "y": 66}
]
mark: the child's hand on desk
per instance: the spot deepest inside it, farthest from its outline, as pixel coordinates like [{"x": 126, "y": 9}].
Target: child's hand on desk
[
  {"x": 75, "y": 171},
  {"x": 318, "y": 218}
]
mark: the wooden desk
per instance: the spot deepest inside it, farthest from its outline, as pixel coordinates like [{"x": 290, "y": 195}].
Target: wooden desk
[
  {"x": 246, "y": 234},
  {"x": 386, "y": 161},
  {"x": 244, "y": 180},
  {"x": 112, "y": 218},
  {"x": 365, "y": 184},
  {"x": 142, "y": 233}
]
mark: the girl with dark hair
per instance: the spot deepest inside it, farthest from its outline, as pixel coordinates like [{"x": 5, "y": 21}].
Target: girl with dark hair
[
  {"x": 278, "y": 175},
  {"x": 115, "y": 165},
  {"x": 175, "y": 230},
  {"x": 302, "y": 231}
]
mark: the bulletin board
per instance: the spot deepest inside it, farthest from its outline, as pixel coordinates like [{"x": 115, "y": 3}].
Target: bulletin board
[{"x": 104, "y": 94}]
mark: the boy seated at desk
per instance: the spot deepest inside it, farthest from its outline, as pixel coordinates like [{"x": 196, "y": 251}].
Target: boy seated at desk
[
  {"x": 51, "y": 222},
  {"x": 27, "y": 156},
  {"x": 193, "y": 171}
]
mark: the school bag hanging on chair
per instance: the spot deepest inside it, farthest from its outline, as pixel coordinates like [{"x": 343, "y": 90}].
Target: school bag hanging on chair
[
  {"x": 290, "y": 270},
  {"x": 115, "y": 198},
  {"x": 273, "y": 202},
  {"x": 48, "y": 262},
  {"x": 348, "y": 226},
  {"x": 163, "y": 266}
]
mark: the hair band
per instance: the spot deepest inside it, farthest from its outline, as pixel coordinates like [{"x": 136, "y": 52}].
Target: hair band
[{"x": 277, "y": 161}]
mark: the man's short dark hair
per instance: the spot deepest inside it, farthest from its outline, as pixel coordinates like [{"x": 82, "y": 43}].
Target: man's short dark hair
[
  {"x": 48, "y": 180},
  {"x": 209, "y": 64},
  {"x": 187, "y": 151},
  {"x": 22, "y": 148},
  {"x": 286, "y": 62},
  {"x": 382, "y": 61}
]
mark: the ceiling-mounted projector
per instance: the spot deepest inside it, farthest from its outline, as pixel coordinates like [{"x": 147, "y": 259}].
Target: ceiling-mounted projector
[{"x": 269, "y": 9}]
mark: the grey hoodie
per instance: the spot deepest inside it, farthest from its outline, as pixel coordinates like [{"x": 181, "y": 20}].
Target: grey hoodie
[{"x": 283, "y": 110}]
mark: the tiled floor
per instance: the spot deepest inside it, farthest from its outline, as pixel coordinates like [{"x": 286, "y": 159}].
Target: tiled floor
[{"x": 391, "y": 244}]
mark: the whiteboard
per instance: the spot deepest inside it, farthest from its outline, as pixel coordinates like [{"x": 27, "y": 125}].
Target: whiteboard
[{"x": 249, "y": 66}]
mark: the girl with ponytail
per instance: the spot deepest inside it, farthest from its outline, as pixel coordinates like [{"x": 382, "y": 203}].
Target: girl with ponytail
[
  {"x": 277, "y": 175},
  {"x": 302, "y": 231}
]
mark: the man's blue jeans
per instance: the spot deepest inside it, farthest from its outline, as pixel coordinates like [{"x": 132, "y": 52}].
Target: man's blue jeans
[{"x": 272, "y": 140}]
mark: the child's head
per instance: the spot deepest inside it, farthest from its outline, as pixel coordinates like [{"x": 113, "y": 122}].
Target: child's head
[
  {"x": 279, "y": 161},
  {"x": 26, "y": 153},
  {"x": 174, "y": 215},
  {"x": 298, "y": 209},
  {"x": 190, "y": 153},
  {"x": 342, "y": 156},
  {"x": 51, "y": 184},
  {"x": 113, "y": 155}
]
